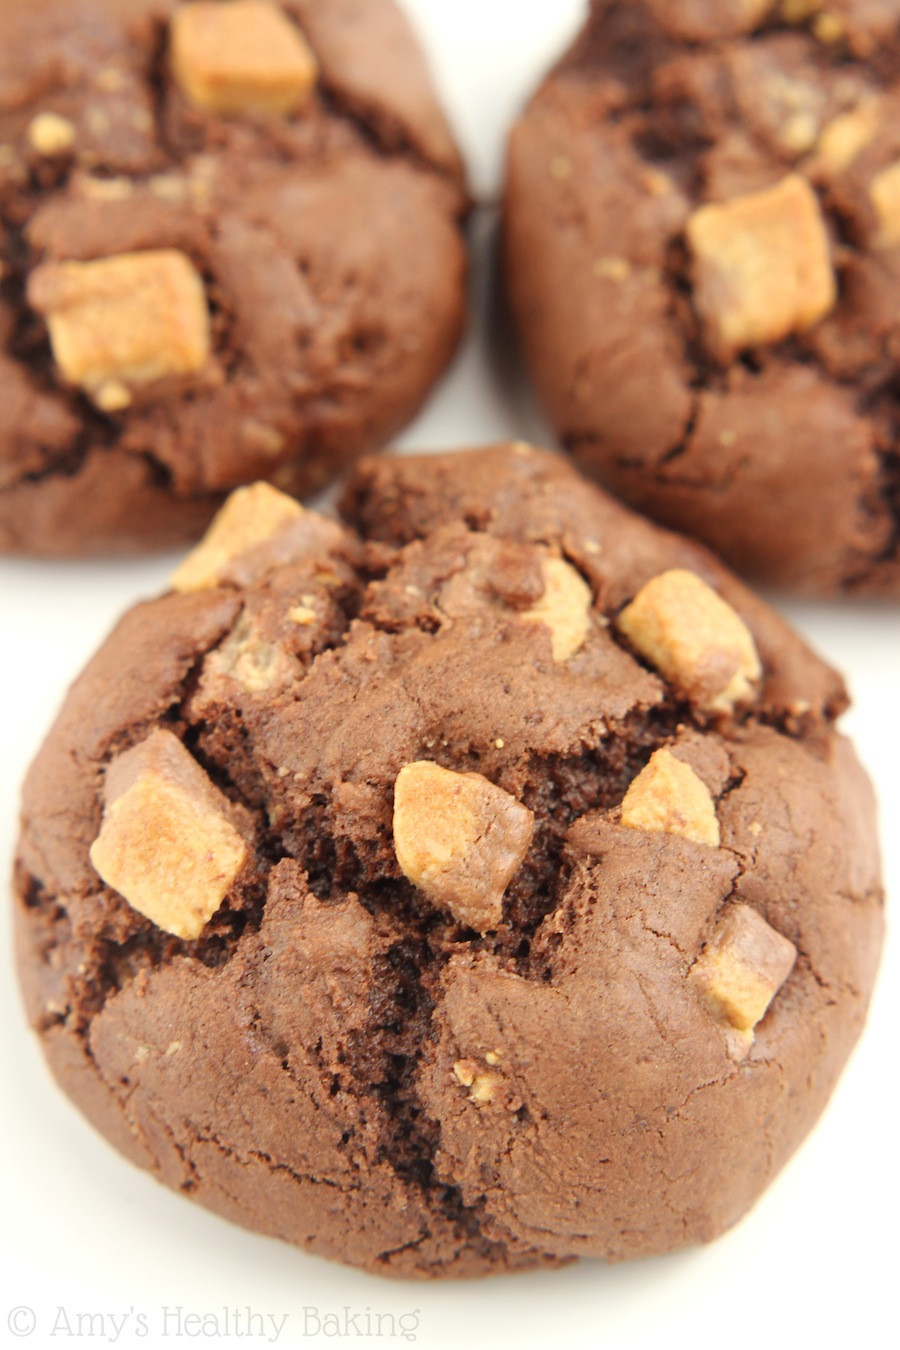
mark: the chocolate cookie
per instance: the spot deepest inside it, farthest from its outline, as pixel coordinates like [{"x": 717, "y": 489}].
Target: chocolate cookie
[
  {"x": 230, "y": 249},
  {"x": 474, "y": 885},
  {"x": 703, "y": 257}
]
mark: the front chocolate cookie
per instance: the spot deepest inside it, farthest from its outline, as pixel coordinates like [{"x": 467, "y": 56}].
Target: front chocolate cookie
[
  {"x": 230, "y": 249},
  {"x": 474, "y": 885},
  {"x": 703, "y": 255}
]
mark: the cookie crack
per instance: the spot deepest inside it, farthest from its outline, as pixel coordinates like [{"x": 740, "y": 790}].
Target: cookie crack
[
  {"x": 383, "y": 1258},
  {"x": 649, "y": 1003},
  {"x": 410, "y": 1139},
  {"x": 387, "y": 139},
  {"x": 663, "y": 937},
  {"x": 720, "y": 1080}
]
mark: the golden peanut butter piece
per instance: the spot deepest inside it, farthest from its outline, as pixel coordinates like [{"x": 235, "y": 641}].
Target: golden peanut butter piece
[
  {"x": 123, "y": 321},
  {"x": 250, "y": 517},
  {"x": 50, "y": 134},
  {"x": 743, "y": 967},
  {"x": 762, "y": 267},
  {"x": 254, "y": 663},
  {"x": 460, "y": 839},
  {"x": 845, "y": 137},
  {"x": 464, "y": 1071},
  {"x": 829, "y": 28},
  {"x": 694, "y": 639},
  {"x": 565, "y": 608},
  {"x": 241, "y": 57},
  {"x": 261, "y": 438},
  {"x": 668, "y": 797},
  {"x": 166, "y": 843},
  {"x": 482, "y": 1085},
  {"x": 885, "y": 196}
]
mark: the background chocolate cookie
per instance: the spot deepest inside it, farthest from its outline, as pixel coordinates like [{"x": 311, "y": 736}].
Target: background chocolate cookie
[
  {"x": 703, "y": 252},
  {"x": 229, "y": 248},
  {"x": 475, "y": 885}
]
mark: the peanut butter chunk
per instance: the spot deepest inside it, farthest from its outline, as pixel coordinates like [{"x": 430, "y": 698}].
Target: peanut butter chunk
[
  {"x": 482, "y": 1085},
  {"x": 251, "y": 517},
  {"x": 460, "y": 839},
  {"x": 668, "y": 797},
  {"x": 241, "y": 57},
  {"x": 694, "y": 639},
  {"x": 49, "y": 134},
  {"x": 885, "y": 196},
  {"x": 565, "y": 608},
  {"x": 762, "y": 267},
  {"x": 743, "y": 967},
  {"x": 845, "y": 138},
  {"x": 166, "y": 843},
  {"x": 123, "y": 321}
]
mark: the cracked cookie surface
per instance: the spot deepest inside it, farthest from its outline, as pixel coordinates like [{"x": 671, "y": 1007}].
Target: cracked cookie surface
[
  {"x": 703, "y": 258},
  {"x": 527, "y": 951},
  {"x": 230, "y": 249}
]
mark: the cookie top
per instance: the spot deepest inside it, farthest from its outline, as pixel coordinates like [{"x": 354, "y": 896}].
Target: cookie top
[
  {"x": 475, "y": 884},
  {"x": 229, "y": 249},
  {"x": 703, "y": 242}
]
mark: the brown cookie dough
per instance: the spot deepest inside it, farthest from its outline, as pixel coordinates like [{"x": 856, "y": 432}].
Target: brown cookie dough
[
  {"x": 230, "y": 249},
  {"x": 475, "y": 885},
  {"x": 702, "y": 247}
]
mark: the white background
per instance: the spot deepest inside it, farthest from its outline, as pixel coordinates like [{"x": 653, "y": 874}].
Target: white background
[{"x": 815, "y": 1263}]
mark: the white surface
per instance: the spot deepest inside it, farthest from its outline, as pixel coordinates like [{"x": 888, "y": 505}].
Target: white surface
[{"x": 85, "y": 1233}]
